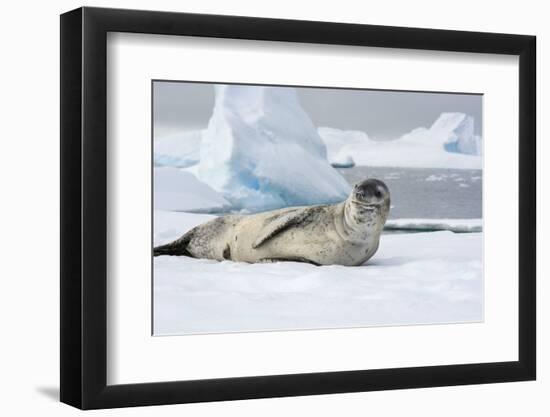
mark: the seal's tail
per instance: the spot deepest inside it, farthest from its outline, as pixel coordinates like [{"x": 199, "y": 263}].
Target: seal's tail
[{"x": 176, "y": 248}]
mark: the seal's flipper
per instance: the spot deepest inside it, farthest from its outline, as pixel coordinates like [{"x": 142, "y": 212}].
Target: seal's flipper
[
  {"x": 175, "y": 248},
  {"x": 279, "y": 223}
]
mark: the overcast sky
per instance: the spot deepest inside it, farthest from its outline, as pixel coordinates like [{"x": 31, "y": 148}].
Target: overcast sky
[{"x": 381, "y": 114}]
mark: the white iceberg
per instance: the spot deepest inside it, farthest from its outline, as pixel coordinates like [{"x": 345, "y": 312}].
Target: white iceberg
[
  {"x": 449, "y": 143},
  {"x": 345, "y": 161},
  {"x": 178, "y": 150},
  {"x": 177, "y": 190},
  {"x": 459, "y": 129},
  {"x": 340, "y": 145},
  {"x": 261, "y": 151},
  {"x": 429, "y": 278}
]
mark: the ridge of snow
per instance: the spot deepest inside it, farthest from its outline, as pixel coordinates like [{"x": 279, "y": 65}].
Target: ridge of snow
[{"x": 453, "y": 225}]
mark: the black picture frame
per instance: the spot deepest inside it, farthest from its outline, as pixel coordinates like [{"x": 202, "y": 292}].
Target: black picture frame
[{"x": 84, "y": 207}]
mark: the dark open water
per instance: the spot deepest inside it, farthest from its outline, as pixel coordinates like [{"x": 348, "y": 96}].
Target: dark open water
[{"x": 427, "y": 192}]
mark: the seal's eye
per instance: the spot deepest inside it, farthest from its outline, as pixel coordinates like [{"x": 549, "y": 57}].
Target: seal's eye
[{"x": 378, "y": 194}]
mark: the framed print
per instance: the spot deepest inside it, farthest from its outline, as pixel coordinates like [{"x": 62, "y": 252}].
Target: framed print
[{"x": 257, "y": 208}]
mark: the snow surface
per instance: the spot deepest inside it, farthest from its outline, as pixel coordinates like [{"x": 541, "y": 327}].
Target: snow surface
[
  {"x": 261, "y": 151},
  {"x": 416, "y": 278},
  {"x": 178, "y": 150},
  {"x": 178, "y": 190},
  {"x": 449, "y": 143}
]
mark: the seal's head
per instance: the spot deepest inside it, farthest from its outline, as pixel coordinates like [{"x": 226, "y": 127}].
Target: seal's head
[
  {"x": 367, "y": 208},
  {"x": 371, "y": 193}
]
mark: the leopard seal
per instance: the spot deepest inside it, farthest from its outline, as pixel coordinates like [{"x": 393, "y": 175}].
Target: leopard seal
[{"x": 346, "y": 233}]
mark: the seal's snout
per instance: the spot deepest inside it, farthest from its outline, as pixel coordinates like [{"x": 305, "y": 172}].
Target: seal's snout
[{"x": 371, "y": 191}]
